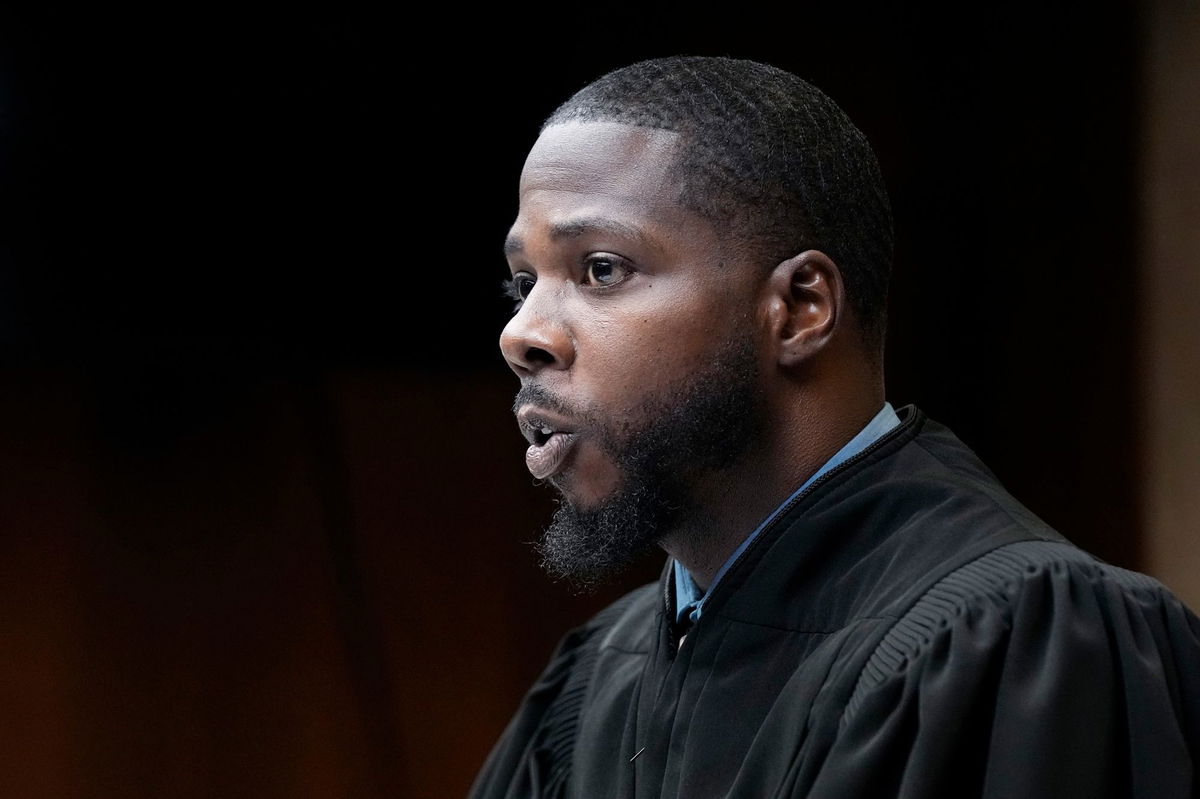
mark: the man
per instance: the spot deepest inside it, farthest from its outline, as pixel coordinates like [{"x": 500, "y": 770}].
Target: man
[{"x": 852, "y": 605}]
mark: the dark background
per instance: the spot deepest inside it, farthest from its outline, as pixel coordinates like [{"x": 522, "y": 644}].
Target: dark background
[{"x": 263, "y": 510}]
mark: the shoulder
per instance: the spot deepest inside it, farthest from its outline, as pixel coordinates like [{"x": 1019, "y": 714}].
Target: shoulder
[
  {"x": 641, "y": 601},
  {"x": 533, "y": 756},
  {"x": 627, "y": 622},
  {"x": 1029, "y": 600},
  {"x": 1034, "y": 670}
]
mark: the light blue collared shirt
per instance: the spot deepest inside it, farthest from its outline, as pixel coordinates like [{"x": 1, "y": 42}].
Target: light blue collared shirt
[{"x": 689, "y": 599}]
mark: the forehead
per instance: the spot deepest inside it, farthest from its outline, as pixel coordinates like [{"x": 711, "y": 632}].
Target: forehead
[
  {"x": 602, "y": 170},
  {"x": 602, "y": 157}
]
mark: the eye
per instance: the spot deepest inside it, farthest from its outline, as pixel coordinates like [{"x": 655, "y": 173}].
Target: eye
[
  {"x": 605, "y": 270},
  {"x": 517, "y": 289}
]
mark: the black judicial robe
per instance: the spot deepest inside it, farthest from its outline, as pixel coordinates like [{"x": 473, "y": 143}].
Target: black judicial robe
[{"x": 904, "y": 629}]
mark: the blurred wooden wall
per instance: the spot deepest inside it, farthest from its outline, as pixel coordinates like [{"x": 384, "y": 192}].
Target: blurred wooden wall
[
  {"x": 321, "y": 590},
  {"x": 1169, "y": 315}
]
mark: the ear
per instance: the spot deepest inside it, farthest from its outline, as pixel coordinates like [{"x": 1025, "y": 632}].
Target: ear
[{"x": 804, "y": 304}]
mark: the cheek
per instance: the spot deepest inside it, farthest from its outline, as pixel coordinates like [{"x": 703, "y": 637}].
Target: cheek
[
  {"x": 642, "y": 354},
  {"x": 687, "y": 329},
  {"x": 655, "y": 339},
  {"x": 626, "y": 360}
]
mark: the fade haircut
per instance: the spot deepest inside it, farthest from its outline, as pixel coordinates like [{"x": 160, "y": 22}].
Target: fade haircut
[{"x": 767, "y": 158}]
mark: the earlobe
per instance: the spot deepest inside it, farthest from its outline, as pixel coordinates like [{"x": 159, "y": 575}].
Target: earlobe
[{"x": 805, "y": 304}]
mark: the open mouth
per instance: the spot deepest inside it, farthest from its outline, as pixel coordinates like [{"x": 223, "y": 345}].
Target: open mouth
[
  {"x": 547, "y": 455},
  {"x": 549, "y": 444}
]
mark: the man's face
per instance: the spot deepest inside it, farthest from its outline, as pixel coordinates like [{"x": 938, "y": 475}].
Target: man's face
[{"x": 634, "y": 337}]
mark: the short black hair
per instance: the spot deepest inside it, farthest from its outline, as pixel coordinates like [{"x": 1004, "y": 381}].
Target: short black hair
[{"x": 768, "y": 157}]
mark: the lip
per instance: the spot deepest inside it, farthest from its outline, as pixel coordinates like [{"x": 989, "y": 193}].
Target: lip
[{"x": 546, "y": 457}]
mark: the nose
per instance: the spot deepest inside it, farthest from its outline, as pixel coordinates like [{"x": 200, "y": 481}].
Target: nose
[{"x": 537, "y": 338}]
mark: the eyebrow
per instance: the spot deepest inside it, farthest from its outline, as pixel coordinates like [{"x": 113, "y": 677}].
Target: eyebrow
[{"x": 573, "y": 228}]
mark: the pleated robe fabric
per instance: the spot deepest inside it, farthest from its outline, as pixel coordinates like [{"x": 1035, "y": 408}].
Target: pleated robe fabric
[{"x": 905, "y": 628}]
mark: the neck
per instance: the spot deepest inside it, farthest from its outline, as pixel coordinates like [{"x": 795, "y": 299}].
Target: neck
[{"x": 800, "y": 437}]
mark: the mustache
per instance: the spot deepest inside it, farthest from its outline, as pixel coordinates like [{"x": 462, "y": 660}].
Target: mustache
[{"x": 534, "y": 394}]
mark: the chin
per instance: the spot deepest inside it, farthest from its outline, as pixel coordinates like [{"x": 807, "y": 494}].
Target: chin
[
  {"x": 578, "y": 498},
  {"x": 586, "y": 489},
  {"x": 592, "y": 538}
]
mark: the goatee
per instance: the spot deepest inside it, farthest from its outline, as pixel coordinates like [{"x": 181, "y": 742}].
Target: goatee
[{"x": 690, "y": 431}]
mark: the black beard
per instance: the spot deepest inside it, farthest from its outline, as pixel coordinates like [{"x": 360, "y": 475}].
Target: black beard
[{"x": 693, "y": 430}]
